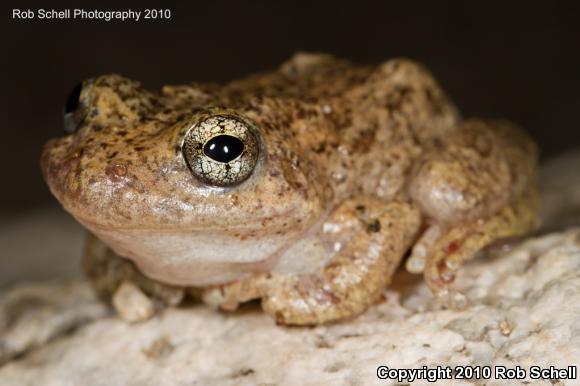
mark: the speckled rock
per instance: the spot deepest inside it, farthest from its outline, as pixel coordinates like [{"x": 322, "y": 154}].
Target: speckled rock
[{"x": 525, "y": 310}]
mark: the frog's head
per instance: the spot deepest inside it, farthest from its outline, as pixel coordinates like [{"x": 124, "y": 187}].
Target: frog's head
[{"x": 193, "y": 194}]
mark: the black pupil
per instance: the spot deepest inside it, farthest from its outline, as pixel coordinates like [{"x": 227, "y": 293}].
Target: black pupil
[
  {"x": 223, "y": 148},
  {"x": 72, "y": 101}
]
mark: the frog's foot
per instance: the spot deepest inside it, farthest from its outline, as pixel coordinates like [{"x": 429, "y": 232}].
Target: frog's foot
[
  {"x": 134, "y": 296},
  {"x": 475, "y": 188},
  {"x": 351, "y": 280},
  {"x": 439, "y": 253}
]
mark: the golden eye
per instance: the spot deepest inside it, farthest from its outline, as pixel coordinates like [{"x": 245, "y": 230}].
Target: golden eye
[{"x": 222, "y": 149}]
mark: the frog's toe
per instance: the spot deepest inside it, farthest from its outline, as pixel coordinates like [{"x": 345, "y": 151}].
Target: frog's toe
[
  {"x": 229, "y": 296},
  {"x": 131, "y": 304},
  {"x": 438, "y": 254}
]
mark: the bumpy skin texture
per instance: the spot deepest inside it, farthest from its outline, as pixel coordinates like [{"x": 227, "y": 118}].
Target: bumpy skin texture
[{"x": 357, "y": 166}]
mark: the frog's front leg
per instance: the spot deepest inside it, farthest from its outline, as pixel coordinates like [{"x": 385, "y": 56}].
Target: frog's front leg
[
  {"x": 134, "y": 296},
  {"x": 474, "y": 189},
  {"x": 379, "y": 234}
]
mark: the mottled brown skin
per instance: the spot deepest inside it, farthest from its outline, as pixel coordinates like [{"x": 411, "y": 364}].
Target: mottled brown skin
[{"x": 359, "y": 166}]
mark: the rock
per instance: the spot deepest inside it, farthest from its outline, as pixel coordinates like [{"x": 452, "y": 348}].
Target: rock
[
  {"x": 525, "y": 310},
  {"x": 32, "y": 314}
]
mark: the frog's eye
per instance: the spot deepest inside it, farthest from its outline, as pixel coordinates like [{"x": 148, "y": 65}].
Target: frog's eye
[
  {"x": 75, "y": 107},
  {"x": 221, "y": 150}
]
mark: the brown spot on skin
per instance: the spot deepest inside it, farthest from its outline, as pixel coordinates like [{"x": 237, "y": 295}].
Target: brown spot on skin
[
  {"x": 364, "y": 141},
  {"x": 69, "y": 165},
  {"x": 320, "y": 148},
  {"x": 293, "y": 176},
  {"x": 374, "y": 226},
  {"x": 396, "y": 99},
  {"x": 301, "y": 113},
  {"x": 116, "y": 171}
]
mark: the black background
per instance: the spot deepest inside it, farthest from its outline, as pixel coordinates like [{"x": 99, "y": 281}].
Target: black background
[{"x": 518, "y": 60}]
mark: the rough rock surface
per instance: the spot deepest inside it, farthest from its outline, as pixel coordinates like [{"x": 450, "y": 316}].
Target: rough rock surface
[{"x": 524, "y": 310}]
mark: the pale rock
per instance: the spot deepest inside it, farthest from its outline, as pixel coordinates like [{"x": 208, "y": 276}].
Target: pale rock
[
  {"x": 32, "y": 314},
  {"x": 524, "y": 310}
]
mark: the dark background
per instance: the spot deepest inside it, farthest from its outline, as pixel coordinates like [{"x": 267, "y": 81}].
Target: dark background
[{"x": 518, "y": 60}]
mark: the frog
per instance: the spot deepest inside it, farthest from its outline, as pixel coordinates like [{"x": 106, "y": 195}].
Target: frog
[{"x": 303, "y": 188}]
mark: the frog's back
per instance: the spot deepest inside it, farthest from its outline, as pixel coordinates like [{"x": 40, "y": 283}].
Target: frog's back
[{"x": 364, "y": 125}]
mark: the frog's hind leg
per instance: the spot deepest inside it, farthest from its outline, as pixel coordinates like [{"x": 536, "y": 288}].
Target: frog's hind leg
[
  {"x": 134, "y": 296},
  {"x": 439, "y": 254},
  {"x": 478, "y": 189},
  {"x": 354, "y": 278}
]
